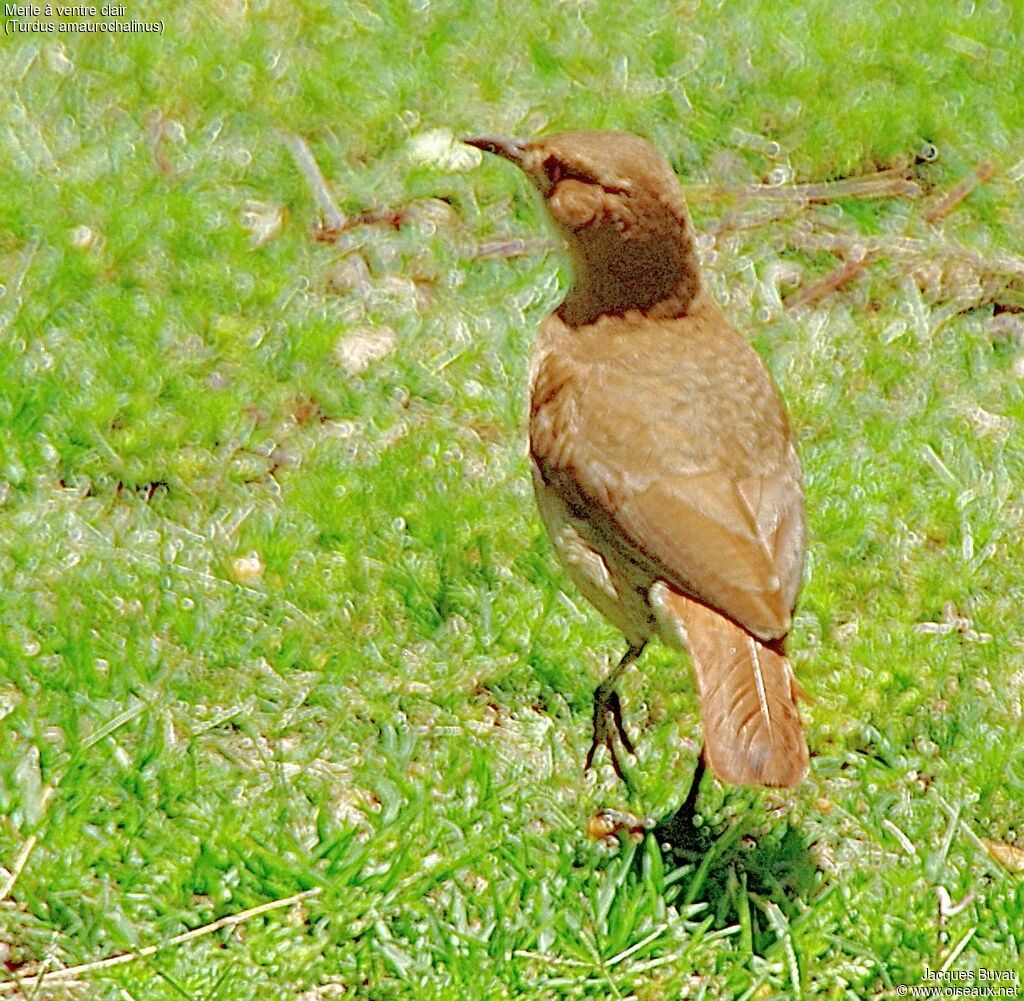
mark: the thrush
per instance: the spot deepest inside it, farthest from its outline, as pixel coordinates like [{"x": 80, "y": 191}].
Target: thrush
[{"x": 663, "y": 462}]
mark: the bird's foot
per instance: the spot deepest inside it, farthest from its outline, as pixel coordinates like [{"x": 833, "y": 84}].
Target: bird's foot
[{"x": 607, "y": 725}]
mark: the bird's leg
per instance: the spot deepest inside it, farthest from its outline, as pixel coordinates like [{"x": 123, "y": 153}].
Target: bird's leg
[
  {"x": 678, "y": 831},
  {"x": 608, "y": 714},
  {"x": 688, "y": 809}
]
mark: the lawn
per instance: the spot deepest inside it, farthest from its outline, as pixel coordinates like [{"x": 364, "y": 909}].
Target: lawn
[{"x": 279, "y": 624}]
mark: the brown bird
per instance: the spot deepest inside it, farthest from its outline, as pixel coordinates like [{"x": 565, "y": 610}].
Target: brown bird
[{"x": 663, "y": 463}]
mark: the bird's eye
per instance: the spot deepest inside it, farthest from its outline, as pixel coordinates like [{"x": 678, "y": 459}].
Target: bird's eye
[{"x": 554, "y": 169}]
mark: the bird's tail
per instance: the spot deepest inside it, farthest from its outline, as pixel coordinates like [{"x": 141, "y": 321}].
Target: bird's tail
[{"x": 748, "y": 694}]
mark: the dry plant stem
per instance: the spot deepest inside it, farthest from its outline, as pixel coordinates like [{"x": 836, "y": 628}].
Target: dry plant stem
[
  {"x": 305, "y": 161},
  {"x": 735, "y": 222},
  {"x": 44, "y": 802},
  {"x": 26, "y": 850},
  {"x": 845, "y": 273},
  {"x": 956, "y": 194},
  {"x": 73, "y": 972},
  {"x": 905, "y": 247},
  {"x": 158, "y": 143},
  {"x": 861, "y": 254},
  {"x": 885, "y": 184},
  {"x": 387, "y": 217},
  {"x": 510, "y": 248},
  {"x": 913, "y": 251},
  {"x": 372, "y": 217}
]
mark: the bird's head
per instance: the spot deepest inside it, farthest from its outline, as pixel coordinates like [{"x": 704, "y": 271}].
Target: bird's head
[
  {"x": 619, "y": 204},
  {"x": 591, "y": 178}
]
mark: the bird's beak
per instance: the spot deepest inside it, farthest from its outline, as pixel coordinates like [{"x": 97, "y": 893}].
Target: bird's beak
[{"x": 510, "y": 149}]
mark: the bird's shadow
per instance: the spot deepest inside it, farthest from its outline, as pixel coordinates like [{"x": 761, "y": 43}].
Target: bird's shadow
[{"x": 742, "y": 871}]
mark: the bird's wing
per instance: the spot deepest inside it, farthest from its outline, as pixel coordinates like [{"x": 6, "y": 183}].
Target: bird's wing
[{"x": 701, "y": 486}]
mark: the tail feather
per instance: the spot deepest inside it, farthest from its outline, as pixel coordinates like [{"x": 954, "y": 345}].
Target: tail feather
[{"x": 748, "y": 695}]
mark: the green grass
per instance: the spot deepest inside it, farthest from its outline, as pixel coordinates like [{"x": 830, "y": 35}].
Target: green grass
[{"x": 270, "y": 624}]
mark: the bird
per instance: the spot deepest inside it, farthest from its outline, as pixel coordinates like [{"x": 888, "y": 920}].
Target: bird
[{"x": 663, "y": 462}]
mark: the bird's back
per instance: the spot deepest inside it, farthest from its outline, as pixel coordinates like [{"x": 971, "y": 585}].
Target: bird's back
[{"x": 673, "y": 440}]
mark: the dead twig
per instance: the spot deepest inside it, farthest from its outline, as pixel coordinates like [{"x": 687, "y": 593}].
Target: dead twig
[
  {"x": 26, "y": 850},
  {"x": 905, "y": 247},
  {"x": 510, "y": 248},
  {"x": 951, "y": 199},
  {"x": 836, "y": 279},
  {"x": 308, "y": 167},
  {"x": 735, "y": 222},
  {"x": 159, "y": 132},
  {"x": 884, "y": 184},
  {"x": 229, "y": 921},
  {"x": 848, "y": 247},
  {"x": 431, "y": 212},
  {"x": 376, "y": 217}
]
